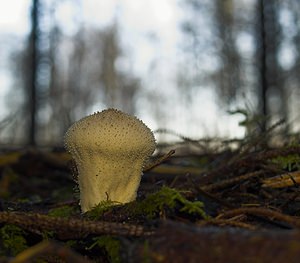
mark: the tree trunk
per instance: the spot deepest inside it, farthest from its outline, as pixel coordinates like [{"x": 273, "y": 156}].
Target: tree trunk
[
  {"x": 32, "y": 92},
  {"x": 263, "y": 66}
]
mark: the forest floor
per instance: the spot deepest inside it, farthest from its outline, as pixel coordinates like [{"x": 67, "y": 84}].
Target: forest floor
[{"x": 210, "y": 201}]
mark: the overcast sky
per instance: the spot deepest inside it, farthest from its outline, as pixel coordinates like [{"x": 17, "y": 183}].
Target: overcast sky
[{"x": 149, "y": 31}]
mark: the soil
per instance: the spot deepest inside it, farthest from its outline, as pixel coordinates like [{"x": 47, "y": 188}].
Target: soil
[{"x": 201, "y": 203}]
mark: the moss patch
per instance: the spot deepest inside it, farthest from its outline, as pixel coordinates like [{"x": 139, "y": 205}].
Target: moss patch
[
  {"x": 98, "y": 211},
  {"x": 64, "y": 211},
  {"x": 12, "y": 240},
  {"x": 111, "y": 245},
  {"x": 290, "y": 162},
  {"x": 168, "y": 198}
]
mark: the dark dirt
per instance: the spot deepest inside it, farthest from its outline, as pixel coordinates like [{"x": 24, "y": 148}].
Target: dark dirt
[{"x": 246, "y": 220}]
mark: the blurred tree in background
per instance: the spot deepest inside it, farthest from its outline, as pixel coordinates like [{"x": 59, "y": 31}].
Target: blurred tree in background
[
  {"x": 248, "y": 52},
  {"x": 61, "y": 77},
  {"x": 263, "y": 77}
]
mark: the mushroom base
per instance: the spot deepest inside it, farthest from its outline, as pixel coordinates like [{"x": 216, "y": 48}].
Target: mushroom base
[{"x": 100, "y": 180}]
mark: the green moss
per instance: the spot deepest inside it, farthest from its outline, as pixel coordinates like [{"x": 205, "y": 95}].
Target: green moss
[
  {"x": 168, "y": 198},
  {"x": 98, "y": 211},
  {"x": 64, "y": 211},
  {"x": 111, "y": 245},
  {"x": 12, "y": 240},
  {"x": 290, "y": 162}
]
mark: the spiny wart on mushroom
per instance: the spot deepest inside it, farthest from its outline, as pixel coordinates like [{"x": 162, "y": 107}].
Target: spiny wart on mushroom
[{"x": 110, "y": 149}]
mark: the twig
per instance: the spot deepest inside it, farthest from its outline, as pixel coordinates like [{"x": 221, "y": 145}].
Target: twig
[
  {"x": 246, "y": 161},
  {"x": 261, "y": 138},
  {"x": 225, "y": 222},
  {"x": 159, "y": 161},
  {"x": 283, "y": 180},
  {"x": 231, "y": 181},
  {"x": 208, "y": 195},
  {"x": 262, "y": 212},
  {"x": 78, "y": 227},
  {"x": 277, "y": 152}
]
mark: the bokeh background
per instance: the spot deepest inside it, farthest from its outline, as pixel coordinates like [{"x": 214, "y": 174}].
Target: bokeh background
[{"x": 195, "y": 67}]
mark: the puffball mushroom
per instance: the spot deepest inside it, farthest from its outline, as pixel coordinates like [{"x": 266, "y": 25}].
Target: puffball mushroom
[{"x": 110, "y": 149}]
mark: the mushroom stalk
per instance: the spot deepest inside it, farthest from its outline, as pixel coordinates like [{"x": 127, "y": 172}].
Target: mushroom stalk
[{"x": 110, "y": 149}]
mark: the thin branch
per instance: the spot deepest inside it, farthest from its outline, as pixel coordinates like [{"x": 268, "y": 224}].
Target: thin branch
[
  {"x": 159, "y": 161},
  {"x": 262, "y": 212},
  {"x": 78, "y": 227}
]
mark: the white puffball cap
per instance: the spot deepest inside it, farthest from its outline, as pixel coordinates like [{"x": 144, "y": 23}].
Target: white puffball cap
[{"x": 111, "y": 132}]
